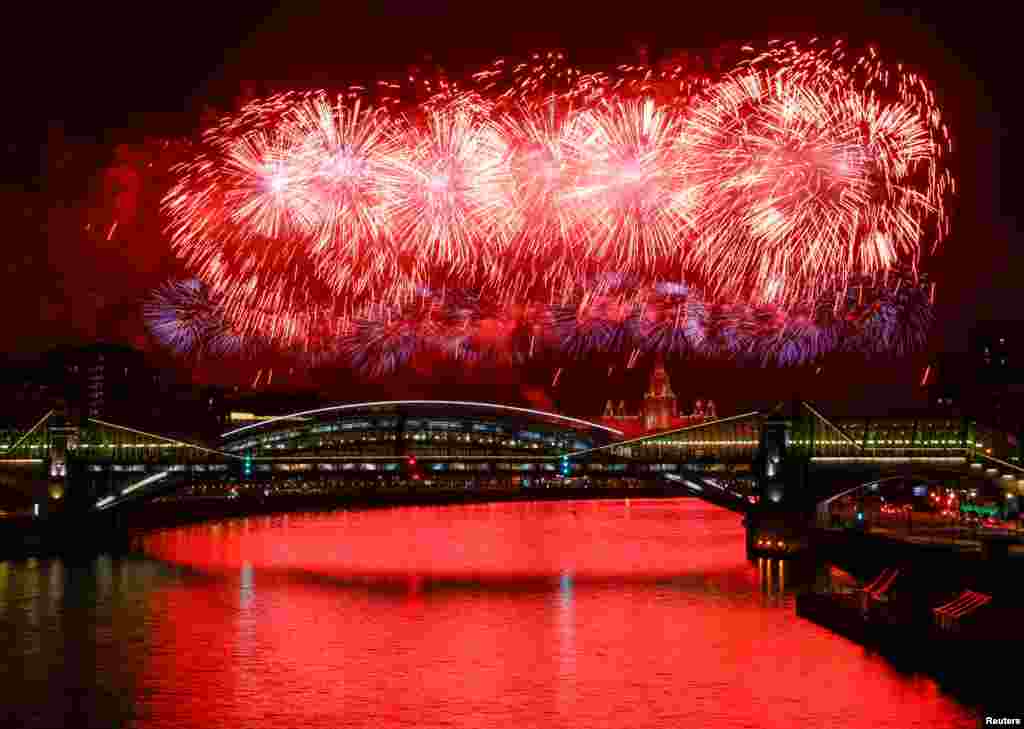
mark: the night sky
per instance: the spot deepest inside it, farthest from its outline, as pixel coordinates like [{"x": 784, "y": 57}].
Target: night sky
[{"x": 80, "y": 82}]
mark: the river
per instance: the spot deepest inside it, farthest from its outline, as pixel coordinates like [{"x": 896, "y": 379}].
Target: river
[{"x": 632, "y": 613}]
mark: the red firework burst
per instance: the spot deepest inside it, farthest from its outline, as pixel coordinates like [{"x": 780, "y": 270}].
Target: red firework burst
[{"x": 775, "y": 186}]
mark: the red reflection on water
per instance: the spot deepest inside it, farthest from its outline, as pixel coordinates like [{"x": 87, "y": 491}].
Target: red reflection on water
[
  {"x": 515, "y": 614},
  {"x": 591, "y": 539}
]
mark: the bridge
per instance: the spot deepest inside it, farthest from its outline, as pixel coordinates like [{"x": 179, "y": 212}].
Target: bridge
[
  {"x": 743, "y": 461},
  {"x": 99, "y": 465}
]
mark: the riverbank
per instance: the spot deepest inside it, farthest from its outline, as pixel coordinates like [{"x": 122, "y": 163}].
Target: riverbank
[
  {"x": 933, "y": 569},
  {"x": 966, "y": 652},
  {"x": 970, "y": 661},
  {"x": 61, "y": 535}
]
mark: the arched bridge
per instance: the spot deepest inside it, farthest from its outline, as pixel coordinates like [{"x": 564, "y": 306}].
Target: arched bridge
[{"x": 754, "y": 458}]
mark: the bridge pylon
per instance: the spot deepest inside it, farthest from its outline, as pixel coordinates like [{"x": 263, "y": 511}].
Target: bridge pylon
[
  {"x": 778, "y": 523},
  {"x": 781, "y": 468}
]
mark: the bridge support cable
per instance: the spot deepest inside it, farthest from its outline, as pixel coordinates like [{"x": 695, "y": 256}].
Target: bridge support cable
[
  {"x": 833, "y": 432},
  {"x": 171, "y": 441},
  {"x": 655, "y": 437},
  {"x": 31, "y": 430}
]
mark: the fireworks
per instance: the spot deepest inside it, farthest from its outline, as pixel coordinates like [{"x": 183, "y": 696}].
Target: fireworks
[
  {"x": 791, "y": 197},
  {"x": 808, "y": 177},
  {"x": 635, "y": 199},
  {"x": 185, "y": 317},
  {"x": 447, "y": 200}
]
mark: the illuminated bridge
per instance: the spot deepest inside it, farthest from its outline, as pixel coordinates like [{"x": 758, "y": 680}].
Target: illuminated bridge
[
  {"x": 756, "y": 458},
  {"x": 766, "y": 454}
]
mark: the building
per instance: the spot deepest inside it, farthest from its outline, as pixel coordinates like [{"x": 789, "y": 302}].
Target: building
[
  {"x": 27, "y": 395},
  {"x": 97, "y": 381},
  {"x": 102, "y": 381},
  {"x": 986, "y": 382},
  {"x": 997, "y": 348},
  {"x": 659, "y": 411},
  {"x": 109, "y": 382}
]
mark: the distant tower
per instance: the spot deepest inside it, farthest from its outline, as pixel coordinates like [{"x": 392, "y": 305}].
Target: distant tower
[
  {"x": 660, "y": 404},
  {"x": 709, "y": 409}
]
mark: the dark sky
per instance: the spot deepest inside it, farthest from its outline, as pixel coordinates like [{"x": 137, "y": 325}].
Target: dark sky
[{"x": 112, "y": 74}]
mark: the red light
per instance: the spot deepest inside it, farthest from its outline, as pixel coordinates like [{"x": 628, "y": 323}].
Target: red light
[{"x": 412, "y": 461}]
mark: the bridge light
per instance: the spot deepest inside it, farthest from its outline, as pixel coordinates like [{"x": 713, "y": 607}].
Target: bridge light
[{"x": 411, "y": 460}]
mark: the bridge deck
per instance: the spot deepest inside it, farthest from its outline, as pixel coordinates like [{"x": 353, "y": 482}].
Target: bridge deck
[{"x": 728, "y": 449}]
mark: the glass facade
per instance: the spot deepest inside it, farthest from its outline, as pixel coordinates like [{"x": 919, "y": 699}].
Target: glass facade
[{"x": 395, "y": 436}]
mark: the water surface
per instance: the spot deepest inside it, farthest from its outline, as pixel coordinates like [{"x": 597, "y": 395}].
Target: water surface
[{"x": 641, "y": 613}]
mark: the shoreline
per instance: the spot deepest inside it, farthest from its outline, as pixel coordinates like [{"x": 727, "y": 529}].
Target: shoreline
[{"x": 964, "y": 664}]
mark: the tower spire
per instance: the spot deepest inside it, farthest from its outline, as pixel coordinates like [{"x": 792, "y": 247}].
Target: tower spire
[
  {"x": 660, "y": 404},
  {"x": 660, "y": 386}
]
